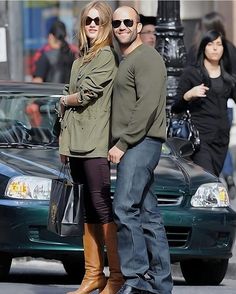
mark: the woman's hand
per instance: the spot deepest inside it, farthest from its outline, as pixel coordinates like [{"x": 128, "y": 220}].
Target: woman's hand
[
  {"x": 195, "y": 92},
  {"x": 64, "y": 159}
]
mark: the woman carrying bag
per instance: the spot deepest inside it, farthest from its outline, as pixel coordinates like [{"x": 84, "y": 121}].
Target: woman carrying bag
[
  {"x": 204, "y": 89},
  {"x": 84, "y": 141}
]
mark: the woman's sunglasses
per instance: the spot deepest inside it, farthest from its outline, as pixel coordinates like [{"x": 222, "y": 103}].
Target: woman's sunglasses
[
  {"x": 89, "y": 20},
  {"x": 127, "y": 22}
]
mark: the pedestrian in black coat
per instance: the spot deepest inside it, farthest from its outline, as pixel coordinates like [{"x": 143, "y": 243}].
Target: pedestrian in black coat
[{"x": 204, "y": 89}]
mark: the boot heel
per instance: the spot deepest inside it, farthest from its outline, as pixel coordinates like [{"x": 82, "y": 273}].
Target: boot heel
[{"x": 102, "y": 285}]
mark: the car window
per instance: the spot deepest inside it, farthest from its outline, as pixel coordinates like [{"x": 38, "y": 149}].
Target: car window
[{"x": 27, "y": 118}]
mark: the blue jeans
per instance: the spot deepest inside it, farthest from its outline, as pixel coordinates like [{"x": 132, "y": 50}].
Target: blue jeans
[
  {"x": 142, "y": 242},
  {"x": 228, "y": 168}
]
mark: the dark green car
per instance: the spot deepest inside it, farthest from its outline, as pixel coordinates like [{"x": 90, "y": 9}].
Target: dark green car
[{"x": 199, "y": 221}]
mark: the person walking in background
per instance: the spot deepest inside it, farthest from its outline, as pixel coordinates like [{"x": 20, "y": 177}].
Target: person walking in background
[
  {"x": 84, "y": 141},
  {"x": 148, "y": 32},
  {"x": 211, "y": 21},
  {"x": 138, "y": 131},
  {"x": 215, "y": 21},
  {"x": 53, "y": 62},
  {"x": 204, "y": 89}
]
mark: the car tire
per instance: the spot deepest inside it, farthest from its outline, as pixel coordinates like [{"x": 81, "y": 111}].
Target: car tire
[
  {"x": 5, "y": 265},
  {"x": 204, "y": 272},
  {"x": 75, "y": 269}
]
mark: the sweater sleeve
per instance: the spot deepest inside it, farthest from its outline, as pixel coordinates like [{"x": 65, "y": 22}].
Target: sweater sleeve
[
  {"x": 150, "y": 82},
  {"x": 92, "y": 86}
]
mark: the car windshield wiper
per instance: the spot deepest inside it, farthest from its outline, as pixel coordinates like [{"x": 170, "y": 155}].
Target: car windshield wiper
[{"x": 25, "y": 145}]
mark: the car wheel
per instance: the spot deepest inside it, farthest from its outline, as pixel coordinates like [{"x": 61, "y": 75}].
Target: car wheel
[
  {"x": 74, "y": 268},
  {"x": 204, "y": 272},
  {"x": 5, "y": 265}
]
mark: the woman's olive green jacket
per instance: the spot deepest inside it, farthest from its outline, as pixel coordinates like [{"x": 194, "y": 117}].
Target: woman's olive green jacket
[{"x": 85, "y": 130}]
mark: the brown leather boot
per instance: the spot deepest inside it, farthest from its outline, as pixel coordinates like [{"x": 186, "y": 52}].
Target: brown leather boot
[
  {"x": 115, "y": 280},
  {"x": 94, "y": 277}
]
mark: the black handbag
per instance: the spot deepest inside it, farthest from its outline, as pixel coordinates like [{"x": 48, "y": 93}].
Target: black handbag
[
  {"x": 181, "y": 126},
  {"x": 66, "y": 208}
]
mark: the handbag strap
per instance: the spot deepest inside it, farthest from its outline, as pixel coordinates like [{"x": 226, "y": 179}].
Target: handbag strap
[{"x": 65, "y": 172}]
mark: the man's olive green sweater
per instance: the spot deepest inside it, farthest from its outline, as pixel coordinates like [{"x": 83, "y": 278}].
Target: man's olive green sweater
[{"x": 139, "y": 98}]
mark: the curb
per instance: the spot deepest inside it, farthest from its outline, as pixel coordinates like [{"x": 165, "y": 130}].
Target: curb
[{"x": 175, "y": 268}]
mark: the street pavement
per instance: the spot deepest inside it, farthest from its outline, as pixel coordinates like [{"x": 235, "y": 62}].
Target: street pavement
[{"x": 38, "y": 276}]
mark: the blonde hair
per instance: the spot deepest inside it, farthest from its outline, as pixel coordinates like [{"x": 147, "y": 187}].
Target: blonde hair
[{"x": 104, "y": 37}]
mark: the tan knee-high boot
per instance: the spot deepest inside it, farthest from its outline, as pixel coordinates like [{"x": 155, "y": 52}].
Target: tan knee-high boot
[
  {"x": 94, "y": 277},
  {"x": 115, "y": 280}
]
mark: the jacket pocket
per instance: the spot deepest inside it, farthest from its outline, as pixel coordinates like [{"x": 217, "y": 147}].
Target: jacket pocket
[{"x": 82, "y": 136}]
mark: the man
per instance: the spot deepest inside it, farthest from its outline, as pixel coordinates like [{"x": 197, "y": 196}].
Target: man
[
  {"x": 148, "y": 32},
  {"x": 138, "y": 130}
]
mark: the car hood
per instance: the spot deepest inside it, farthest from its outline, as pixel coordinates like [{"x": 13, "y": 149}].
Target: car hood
[
  {"x": 33, "y": 162},
  {"x": 173, "y": 175},
  {"x": 177, "y": 175}
]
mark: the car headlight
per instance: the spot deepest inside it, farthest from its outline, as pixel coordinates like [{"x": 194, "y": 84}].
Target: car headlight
[
  {"x": 25, "y": 187},
  {"x": 210, "y": 195}
]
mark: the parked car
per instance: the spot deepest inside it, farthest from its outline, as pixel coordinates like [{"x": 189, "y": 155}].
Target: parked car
[{"x": 199, "y": 221}]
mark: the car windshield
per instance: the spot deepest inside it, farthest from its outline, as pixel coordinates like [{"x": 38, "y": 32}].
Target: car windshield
[{"x": 27, "y": 120}]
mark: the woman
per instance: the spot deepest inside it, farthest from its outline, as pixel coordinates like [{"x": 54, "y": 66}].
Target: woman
[
  {"x": 210, "y": 21},
  {"x": 204, "y": 89},
  {"x": 53, "y": 62},
  {"x": 84, "y": 142},
  {"x": 215, "y": 21}
]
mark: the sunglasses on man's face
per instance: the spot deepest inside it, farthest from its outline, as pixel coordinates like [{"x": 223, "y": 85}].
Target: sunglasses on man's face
[
  {"x": 89, "y": 20},
  {"x": 127, "y": 22}
]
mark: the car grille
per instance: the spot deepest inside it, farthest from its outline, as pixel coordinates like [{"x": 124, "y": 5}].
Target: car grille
[
  {"x": 178, "y": 236},
  {"x": 165, "y": 200}
]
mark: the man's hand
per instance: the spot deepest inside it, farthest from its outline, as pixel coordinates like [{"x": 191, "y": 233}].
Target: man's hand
[{"x": 115, "y": 154}]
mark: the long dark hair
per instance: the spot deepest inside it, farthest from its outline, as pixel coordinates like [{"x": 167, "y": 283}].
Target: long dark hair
[
  {"x": 66, "y": 58},
  {"x": 226, "y": 70},
  {"x": 210, "y": 21}
]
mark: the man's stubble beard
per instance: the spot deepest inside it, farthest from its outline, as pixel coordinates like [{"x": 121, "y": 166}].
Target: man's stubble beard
[{"x": 126, "y": 44}]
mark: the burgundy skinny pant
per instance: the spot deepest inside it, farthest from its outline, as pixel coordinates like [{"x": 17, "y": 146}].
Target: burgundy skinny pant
[{"x": 94, "y": 173}]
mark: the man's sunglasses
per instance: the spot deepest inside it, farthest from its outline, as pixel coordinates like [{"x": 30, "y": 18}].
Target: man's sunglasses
[
  {"x": 127, "y": 22},
  {"x": 89, "y": 20}
]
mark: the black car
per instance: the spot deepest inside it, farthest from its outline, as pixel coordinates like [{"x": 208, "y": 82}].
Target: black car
[{"x": 199, "y": 222}]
